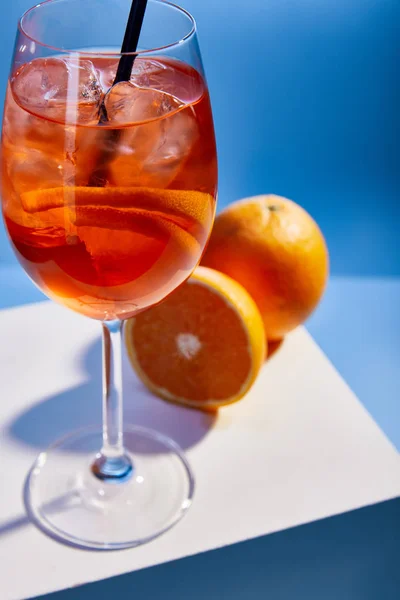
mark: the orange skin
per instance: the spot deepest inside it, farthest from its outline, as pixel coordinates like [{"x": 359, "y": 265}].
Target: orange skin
[{"x": 277, "y": 252}]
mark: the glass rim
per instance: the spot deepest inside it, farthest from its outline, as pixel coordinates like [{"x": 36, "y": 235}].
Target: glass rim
[{"x": 89, "y": 53}]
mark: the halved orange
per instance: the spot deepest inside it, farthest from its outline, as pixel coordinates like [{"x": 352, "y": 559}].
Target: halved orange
[{"x": 203, "y": 346}]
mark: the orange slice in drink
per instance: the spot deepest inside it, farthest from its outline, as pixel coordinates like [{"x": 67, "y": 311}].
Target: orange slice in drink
[
  {"x": 193, "y": 206},
  {"x": 184, "y": 217},
  {"x": 202, "y": 347}
]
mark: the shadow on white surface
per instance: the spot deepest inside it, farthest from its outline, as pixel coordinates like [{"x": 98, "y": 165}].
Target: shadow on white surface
[
  {"x": 12, "y": 525},
  {"x": 63, "y": 503},
  {"x": 354, "y": 556},
  {"x": 41, "y": 424},
  {"x": 45, "y": 422}
]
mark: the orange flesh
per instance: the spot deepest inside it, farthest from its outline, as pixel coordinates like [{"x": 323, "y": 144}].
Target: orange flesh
[{"x": 191, "y": 310}]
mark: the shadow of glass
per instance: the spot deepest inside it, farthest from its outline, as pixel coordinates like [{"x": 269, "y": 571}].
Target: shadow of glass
[
  {"x": 62, "y": 503},
  {"x": 45, "y": 422},
  {"x": 12, "y": 524}
]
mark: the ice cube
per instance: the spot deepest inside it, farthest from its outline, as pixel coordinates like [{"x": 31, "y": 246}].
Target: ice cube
[
  {"x": 60, "y": 89},
  {"x": 144, "y": 72},
  {"x": 30, "y": 169},
  {"x": 176, "y": 138},
  {"x": 152, "y": 153},
  {"x": 168, "y": 76},
  {"x": 126, "y": 104},
  {"x": 164, "y": 76}
]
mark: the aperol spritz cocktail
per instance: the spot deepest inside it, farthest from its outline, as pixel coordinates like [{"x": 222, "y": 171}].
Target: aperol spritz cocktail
[
  {"x": 109, "y": 176},
  {"x": 108, "y": 191}
]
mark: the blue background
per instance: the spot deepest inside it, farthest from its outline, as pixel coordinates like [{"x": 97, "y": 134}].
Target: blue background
[{"x": 306, "y": 98}]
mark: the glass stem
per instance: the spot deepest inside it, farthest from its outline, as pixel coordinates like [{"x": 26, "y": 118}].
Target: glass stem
[{"x": 112, "y": 463}]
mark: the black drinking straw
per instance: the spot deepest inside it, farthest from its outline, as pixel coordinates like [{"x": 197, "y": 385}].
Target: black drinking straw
[
  {"x": 131, "y": 39},
  {"x": 124, "y": 70},
  {"x": 129, "y": 44}
]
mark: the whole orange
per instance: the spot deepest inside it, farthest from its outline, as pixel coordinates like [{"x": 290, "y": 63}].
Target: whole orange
[{"x": 275, "y": 249}]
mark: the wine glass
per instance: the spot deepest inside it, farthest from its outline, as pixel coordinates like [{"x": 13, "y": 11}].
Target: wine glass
[{"x": 108, "y": 196}]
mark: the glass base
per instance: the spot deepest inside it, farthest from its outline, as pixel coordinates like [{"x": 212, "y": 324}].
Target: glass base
[{"x": 67, "y": 501}]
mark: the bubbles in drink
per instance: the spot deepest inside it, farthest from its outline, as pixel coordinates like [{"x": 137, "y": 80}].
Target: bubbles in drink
[{"x": 66, "y": 90}]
